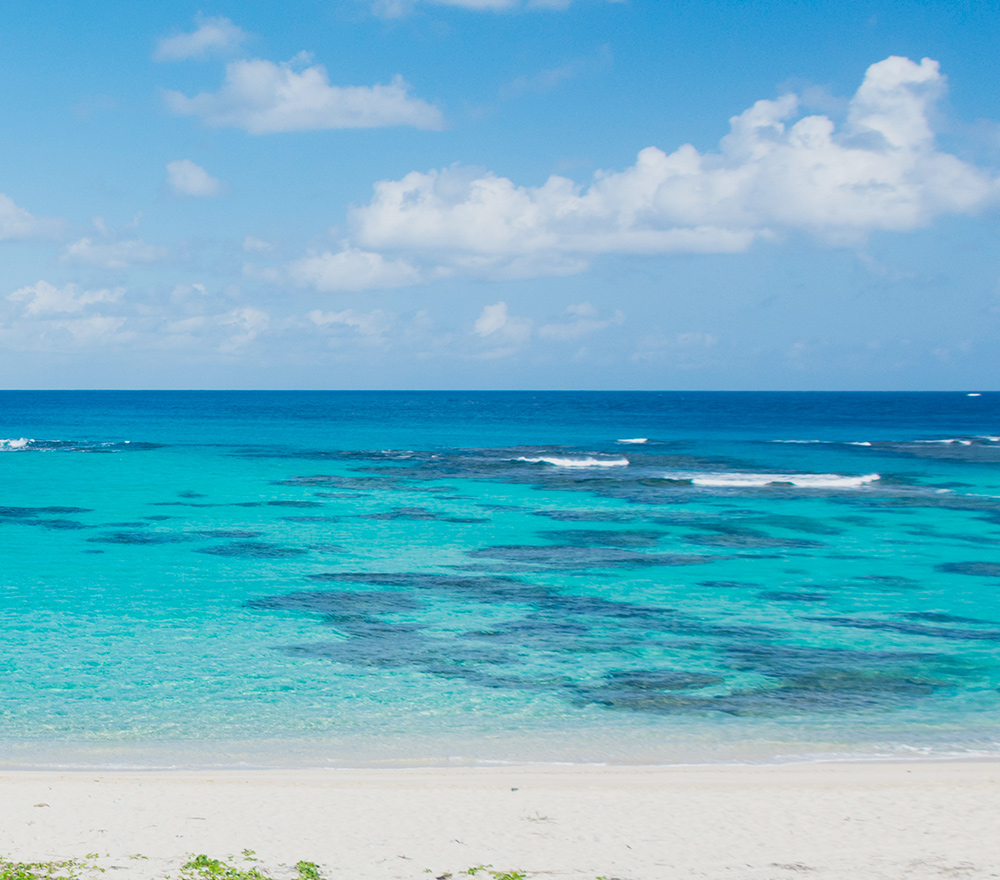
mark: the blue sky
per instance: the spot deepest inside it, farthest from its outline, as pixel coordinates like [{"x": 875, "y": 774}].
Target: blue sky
[{"x": 499, "y": 194}]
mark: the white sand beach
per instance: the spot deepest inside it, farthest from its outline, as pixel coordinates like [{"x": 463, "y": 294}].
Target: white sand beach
[{"x": 864, "y": 820}]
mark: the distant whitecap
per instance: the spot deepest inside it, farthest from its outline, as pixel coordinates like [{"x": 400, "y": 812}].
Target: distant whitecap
[
  {"x": 588, "y": 462},
  {"x": 738, "y": 480}
]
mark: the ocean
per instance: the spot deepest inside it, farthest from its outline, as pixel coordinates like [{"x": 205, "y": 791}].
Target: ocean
[{"x": 279, "y": 579}]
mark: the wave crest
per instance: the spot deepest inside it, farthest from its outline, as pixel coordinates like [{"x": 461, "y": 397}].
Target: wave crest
[
  {"x": 738, "y": 480},
  {"x": 588, "y": 462}
]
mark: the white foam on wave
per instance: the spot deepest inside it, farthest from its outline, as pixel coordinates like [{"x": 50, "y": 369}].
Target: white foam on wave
[
  {"x": 802, "y": 481},
  {"x": 588, "y": 462},
  {"x": 15, "y": 443},
  {"x": 635, "y": 440}
]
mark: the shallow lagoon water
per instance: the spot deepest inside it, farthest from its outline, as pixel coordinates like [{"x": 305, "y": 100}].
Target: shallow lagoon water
[{"x": 365, "y": 578}]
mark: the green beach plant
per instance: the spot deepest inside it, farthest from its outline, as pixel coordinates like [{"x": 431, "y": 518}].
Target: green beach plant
[
  {"x": 201, "y": 867},
  {"x": 496, "y": 875},
  {"x": 55, "y": 870}
]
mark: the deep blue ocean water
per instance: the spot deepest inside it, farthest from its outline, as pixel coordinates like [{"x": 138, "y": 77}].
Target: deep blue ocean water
[{"x": 369, "y": 578}]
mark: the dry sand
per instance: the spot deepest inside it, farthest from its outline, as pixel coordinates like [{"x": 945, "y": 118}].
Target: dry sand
[{"x": 850, "y": 821}]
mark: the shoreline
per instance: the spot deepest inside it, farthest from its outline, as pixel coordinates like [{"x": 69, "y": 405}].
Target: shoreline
[
  {"x": 460, "y": 762},
  {"x": 913, "y": 818}
]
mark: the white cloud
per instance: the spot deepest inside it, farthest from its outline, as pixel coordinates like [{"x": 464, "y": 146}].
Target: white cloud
[
  {"x": 396, "y": 8},
  {"x": 553, "y": 77},
  {"x": 254, "y": 245},
  {"x": 44, "y": 298},
  {"x": 16, "y": 222},
  {"x": 247, "y": 323},
  {"x": 187, "y": 179},
  {"x": 93, "y": 330},
  {"x": 113, "y": 254},
  {"x": 374, "y": 323},
  {"x": 492, "y": 319},
  {"x": 584, "y": 319},
  {"x": 352, "y": 269},
  {"x": 772, "y": 173},
  {"x": 495, "y": 322},
  {"x": 262, "y": 97},
  {"x": 213, "y": 36}
]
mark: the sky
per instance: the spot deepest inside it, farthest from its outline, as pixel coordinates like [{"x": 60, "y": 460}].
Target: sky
[{"x": 490, "y": 194}]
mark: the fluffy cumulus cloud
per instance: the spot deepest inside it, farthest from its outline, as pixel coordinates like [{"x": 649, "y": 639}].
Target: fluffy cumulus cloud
[
  {"x": 213, "y": 36},
  {"x": 352, "y": 269},
  {"x": 16, "y": 222},
  {"x": 43, "y": 298},
  {"x": 262, "y": 97},
  {"x": 187, "y": 179},
  {"x": 775, "y": 171}
]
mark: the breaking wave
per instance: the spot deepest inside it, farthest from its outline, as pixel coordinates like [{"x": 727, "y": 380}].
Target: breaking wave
[
  {"x": 28, "y": 444},
  {"x": 739, "y": 480},
  {"x": 588, "y": 462}
]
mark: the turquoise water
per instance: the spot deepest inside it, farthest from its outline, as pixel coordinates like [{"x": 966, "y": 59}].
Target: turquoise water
[{"x": 286, "y": 579}]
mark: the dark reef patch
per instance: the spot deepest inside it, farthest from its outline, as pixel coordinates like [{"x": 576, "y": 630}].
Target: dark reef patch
[
  {"x": 749, "y": 539},
  {"x": 914, "y": 629},
  {"x": 335, "y": 604},
  {"x": 43, "y": 517},
  {"x": 729, "y": 585},
  {"x": 229, "y": 533},
  {"x": 979, "y": 569},
  {"x": 253, "y": 550},
  {"x": 420, "y": 514},
  {"x": 32, "y": 512},
  {"x": 777, "y": 596},
  {"x": 891, "y": 581},
  {"x": 313, "y": 519},
  {"x": 141, "y": 538},
  {"x": 587, "y": 515},
  {"x": 942, "y": 617},
  {"x": 626, "y": 538},
  {"x": 562, "y": 557},
  {"x": 539, "y": 651},
  {"x": 806, "y": 525}
]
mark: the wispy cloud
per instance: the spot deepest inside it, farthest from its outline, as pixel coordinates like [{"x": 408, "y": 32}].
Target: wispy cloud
[
  {"x": 396, "y": 8},
  {"x": 373, "y": 324},
  {"x": 185, "y": 178},
  {"x": 213, "y": 36},
  {"x": 113, "y": 254},
  {"x": 582, "y": 319},
  {"x": 43, "y": 298},
  {"x": 262, "y": 97},
  {"x": 553, "y": 77}
]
